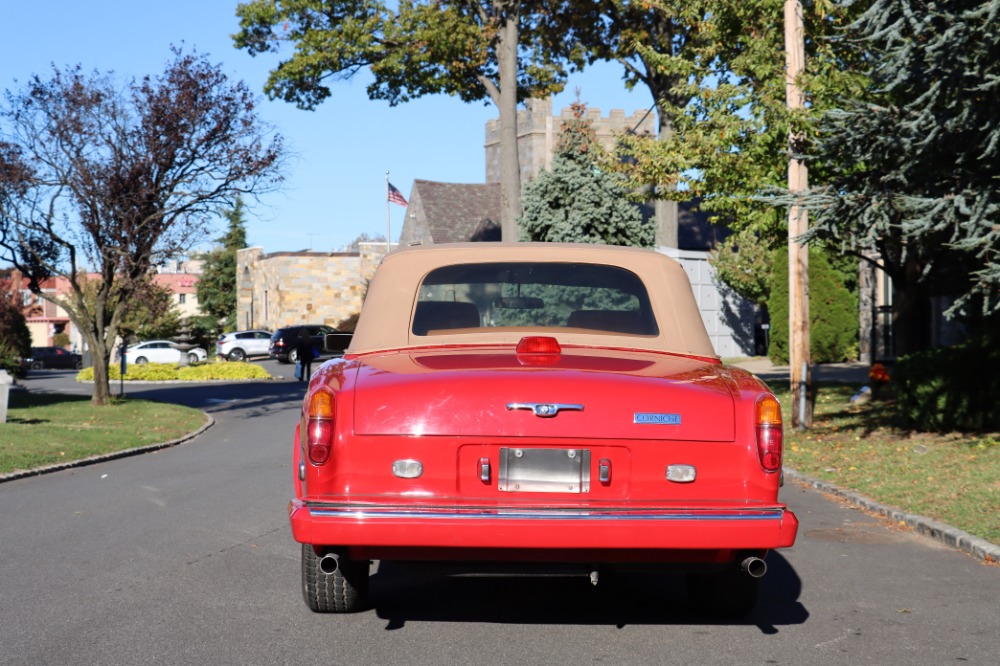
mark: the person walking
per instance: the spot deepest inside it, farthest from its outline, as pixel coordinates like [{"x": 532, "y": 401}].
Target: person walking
[{"x": 305, "y": 351}]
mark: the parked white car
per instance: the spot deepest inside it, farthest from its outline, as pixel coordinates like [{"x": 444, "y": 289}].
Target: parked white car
[
  {"x": 241, "y": 345},
  {"x": 161, "y": 351}
]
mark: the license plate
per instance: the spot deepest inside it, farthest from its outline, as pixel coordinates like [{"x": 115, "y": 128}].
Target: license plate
[{"x": 533, "y": 470}]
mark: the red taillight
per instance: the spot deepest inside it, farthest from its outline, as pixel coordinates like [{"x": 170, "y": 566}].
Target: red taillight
[
  {"x": 319, "y": 426},
  {"x": 538, "y": 344},
  {"x": 538, "y": 351},
  {"x": 769, "y": 432}
]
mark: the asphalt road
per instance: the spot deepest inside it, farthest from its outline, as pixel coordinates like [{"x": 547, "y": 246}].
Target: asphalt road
[{"x": 184, "y": 556}]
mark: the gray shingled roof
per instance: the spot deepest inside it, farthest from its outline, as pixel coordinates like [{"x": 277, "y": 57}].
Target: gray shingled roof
[
  {"x": 455, "y": 212},
  {"x": 462, "y": 212}
]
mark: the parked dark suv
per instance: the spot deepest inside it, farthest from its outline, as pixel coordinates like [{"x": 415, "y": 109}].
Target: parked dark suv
[
  {"x": 328, "y": 340},
  {"x": 53, "y": 357}
]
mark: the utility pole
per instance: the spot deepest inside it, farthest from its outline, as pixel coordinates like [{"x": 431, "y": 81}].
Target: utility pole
[{"x": 798, "y": 223}]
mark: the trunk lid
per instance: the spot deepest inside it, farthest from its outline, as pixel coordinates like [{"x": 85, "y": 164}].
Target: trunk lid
[{"x": 492, "y": 392}]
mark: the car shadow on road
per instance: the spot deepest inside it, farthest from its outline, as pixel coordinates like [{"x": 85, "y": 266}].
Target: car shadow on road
[
  {"x": 400, "y": 594},
  {"x": 252, "y": 398}
]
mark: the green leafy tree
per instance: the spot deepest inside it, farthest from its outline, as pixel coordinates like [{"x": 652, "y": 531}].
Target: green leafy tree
[
  {"x": 501, "y": 51},
  {"x": 743, "y": 262},
  {"x": 217, "y": 283},
  {"x": 716, "y": 73},
  {"x": 577, "y": 201},
  {"x": 118, "y": 176},
  {"x": 914, "y": 167}
]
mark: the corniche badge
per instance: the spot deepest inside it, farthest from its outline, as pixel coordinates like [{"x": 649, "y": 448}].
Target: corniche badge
[{"x": 655, "y": 418}]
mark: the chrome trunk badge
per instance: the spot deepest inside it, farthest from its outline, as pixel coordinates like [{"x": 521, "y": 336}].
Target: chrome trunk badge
[
  {"x": 545, "y": 409},
  {"x": 656, "y": 418}
]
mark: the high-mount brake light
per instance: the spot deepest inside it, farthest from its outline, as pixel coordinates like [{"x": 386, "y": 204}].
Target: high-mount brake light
[
  {"x": 538, "y": 344},
  {"x": 319, "y": 425},
  {"x": 767, "y": 415}
]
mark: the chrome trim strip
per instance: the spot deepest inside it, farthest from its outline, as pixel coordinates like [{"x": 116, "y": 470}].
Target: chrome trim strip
[{"x": 568, "y": 514}]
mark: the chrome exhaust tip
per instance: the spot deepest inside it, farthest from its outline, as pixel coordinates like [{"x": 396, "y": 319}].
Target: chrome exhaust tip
[
  {"x": 329, "y": 564},
  {"x": 754, "y": 566}
]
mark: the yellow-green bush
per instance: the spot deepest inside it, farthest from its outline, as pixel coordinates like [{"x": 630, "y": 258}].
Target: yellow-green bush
[{"x": 192, "y": 373}]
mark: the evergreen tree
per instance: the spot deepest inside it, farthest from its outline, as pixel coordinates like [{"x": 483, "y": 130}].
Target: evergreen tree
[
  {"x": 833, "y": 311},
  {"x": 217, "y": 284},
  {"x": 913, "y": 170},
  {"x": 577, "y": 201}
]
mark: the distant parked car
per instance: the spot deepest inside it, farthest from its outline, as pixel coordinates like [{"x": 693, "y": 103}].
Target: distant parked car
[
  {"x": 326, "y": 339},
  {"x": 53, "y": 357},
  {"x": 241, "y": 345},
  {"x": 161, "y": 351}
]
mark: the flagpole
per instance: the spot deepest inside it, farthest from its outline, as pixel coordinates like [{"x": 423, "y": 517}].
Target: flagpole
[{"x": 387, "y": 234}]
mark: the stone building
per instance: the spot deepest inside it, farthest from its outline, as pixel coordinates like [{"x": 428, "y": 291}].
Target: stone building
[
  {"x": 538, "y": 131},
  {"x": 286, "y": 288}
]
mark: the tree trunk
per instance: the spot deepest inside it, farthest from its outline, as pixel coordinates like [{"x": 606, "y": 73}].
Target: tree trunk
[
  {"x": 867, "y": 285},
  {"x": 510, "y": 167},
  {"x": 102, "y": 385},
  {"x": 667, "y": 223}
]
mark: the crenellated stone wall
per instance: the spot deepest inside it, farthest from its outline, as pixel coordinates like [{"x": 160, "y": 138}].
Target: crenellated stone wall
[{"x": 538, "y": 130}]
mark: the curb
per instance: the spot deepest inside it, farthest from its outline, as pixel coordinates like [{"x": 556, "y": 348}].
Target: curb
[
  {"x": 952, "y": 536},
  {"x": 92, "y": 460}
]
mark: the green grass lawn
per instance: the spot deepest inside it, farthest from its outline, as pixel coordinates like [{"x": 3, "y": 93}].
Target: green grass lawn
[
  {"x": 951, "y": 477},
  {"x": 45, "y": 429}
]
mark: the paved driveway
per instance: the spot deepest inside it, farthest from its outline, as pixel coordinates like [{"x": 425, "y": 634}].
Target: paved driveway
[{"x": 184, "y": 556}]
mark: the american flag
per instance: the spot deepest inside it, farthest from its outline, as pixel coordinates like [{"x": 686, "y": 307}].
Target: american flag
[{"x": 395, "y": 196}]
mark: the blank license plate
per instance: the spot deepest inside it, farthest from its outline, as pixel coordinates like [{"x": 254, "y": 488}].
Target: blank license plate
[{"x": 544, "y": 470}]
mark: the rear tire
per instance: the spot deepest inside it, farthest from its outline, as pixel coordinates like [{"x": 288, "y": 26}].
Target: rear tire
[
  {"x": 237, "y": 355},
  {"x": 293, "y": 356},
  {"x": 141, "y": 360},
  {"x": 344, "y": 590},
  {"x": 729, "y": 593}
]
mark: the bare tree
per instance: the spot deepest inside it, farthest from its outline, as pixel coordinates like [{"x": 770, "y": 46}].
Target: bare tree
[{"x": 110, "y": 178}]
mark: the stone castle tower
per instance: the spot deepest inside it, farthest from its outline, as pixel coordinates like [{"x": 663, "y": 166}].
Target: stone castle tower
[{"x": 538, "y": 130}]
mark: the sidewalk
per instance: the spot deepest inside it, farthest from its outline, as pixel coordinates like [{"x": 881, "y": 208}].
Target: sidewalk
[{"x": 854, "y": 372}]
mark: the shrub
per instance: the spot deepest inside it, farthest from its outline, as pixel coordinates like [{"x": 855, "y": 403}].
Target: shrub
[
  {"x": 952, "y": 388},
  {"x": 192, "y": 373},
  {"x": 833, "y": 311}
]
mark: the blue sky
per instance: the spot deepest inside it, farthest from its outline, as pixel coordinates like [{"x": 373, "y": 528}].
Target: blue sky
[{"x": 335, "y": 185}]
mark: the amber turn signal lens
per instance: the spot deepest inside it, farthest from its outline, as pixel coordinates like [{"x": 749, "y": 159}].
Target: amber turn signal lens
[{"x": 768, "y": 411}]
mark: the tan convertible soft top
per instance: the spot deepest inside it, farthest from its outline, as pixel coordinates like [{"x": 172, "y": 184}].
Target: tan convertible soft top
[{"x": 385, "y": 321}]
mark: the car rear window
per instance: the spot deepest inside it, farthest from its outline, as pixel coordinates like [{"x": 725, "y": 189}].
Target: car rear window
[{"x": 590, "y": 297}]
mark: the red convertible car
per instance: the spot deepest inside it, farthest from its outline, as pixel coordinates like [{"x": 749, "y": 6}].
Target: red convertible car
[{"x": 542, "y": 406}]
